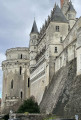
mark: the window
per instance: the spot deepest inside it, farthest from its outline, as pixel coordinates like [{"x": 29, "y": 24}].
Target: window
[
  {"x": 61, "y": 39},
  {"x": 55, "y": 49},
  {"x": 21, "y": 94},
  {"x": 60, "y": 62},
  {"x": 20, "y": 70},
  {"x": 12, "y": 84},
  {"x": 6, "y": 96},
  {"x": 28, "y": 82},
  {"x": 21, "y": 56},
  {"x": 57, "y": 28}
]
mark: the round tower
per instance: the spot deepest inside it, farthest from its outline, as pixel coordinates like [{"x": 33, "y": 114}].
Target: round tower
[
  {"x": 33, "y": 45},
  {"x": 15, "y": 77},
  {"x": 71, "y": 15}
]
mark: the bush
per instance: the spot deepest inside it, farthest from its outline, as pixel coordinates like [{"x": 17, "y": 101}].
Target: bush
[
  {"x": 6, "y": 117},
  {"x": 29, "y": 106}
]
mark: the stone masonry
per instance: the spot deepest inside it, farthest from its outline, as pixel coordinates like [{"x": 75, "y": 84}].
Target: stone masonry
[{"x": 43, "y": 67}]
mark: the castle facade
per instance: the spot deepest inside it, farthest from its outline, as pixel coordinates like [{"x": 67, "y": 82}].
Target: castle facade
[{"x": 29, "y": 71}]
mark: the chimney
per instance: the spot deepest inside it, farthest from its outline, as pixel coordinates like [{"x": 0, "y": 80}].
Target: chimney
[{"x": 61, "y": 2}]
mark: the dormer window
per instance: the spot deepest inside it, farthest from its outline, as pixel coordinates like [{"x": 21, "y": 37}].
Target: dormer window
[{"x": 57, "y": 28}]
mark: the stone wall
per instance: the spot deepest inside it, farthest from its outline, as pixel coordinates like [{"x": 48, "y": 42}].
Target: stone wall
[
  {"x": 63, "y": 95},
  {"x": 32, "y": 116},
  {"x": 69, "y": 103},
  {"x": 14, "y": 107},
  {"x": 39, "y": 80}
]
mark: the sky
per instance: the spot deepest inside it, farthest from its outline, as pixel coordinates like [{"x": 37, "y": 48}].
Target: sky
[{"x": 16, "y": 19}]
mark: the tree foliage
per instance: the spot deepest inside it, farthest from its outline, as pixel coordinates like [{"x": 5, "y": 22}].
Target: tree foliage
[
  {"x": 30, "y": 106},
  {"x": 6, "y": 117}
]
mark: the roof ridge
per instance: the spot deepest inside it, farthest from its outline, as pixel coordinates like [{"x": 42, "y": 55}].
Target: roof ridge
[{"x": 58, "y": 15}]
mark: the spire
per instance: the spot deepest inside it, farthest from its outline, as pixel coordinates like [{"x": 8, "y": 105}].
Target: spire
[
  {"x": 34, "y": 28},
  {"x": 55, "y": 5},
  {"x": 71, "y": 8},
  {"x": 58, "y": 15}
]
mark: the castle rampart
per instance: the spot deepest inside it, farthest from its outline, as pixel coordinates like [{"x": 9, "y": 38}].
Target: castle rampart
[{"x": 29, "y": 71}]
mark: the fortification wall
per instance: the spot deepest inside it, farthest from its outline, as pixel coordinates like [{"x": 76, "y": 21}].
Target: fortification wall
[
  {"x": 39, "y": 80},
  {"x": 62, "y": 84},
  {"x": 68, "y": 54},
  {"x": 70, "y": 48}
]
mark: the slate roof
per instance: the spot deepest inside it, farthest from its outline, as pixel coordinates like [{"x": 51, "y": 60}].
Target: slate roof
[
  {"x": 34, "y": 28},
  {"x": 71, "y": 8},
  {"x": 58, "y": 16}
]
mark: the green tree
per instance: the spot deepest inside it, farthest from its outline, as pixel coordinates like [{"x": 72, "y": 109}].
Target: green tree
[
  {"x": 30, "y": 106},
  {"x": 6, "y": 117}
]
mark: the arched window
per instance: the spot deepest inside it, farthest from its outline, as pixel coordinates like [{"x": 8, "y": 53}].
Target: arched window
[
  {"x": 28, "y": 82},
  {"x": 20, "y": 70},
  {"x": 12, "y": 84},
  {"x": 21, "y": 94},
  {"x": 21, "y": 56}
]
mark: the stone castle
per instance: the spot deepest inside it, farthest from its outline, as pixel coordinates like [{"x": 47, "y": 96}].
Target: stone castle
[{"x": 29, "y": 71}]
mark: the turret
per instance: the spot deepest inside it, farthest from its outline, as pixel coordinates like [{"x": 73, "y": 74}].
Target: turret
[
  {"x": 16, "y": 78},
  {"x": 33, "y": 45},
  {"x": 71, "y": 15}
]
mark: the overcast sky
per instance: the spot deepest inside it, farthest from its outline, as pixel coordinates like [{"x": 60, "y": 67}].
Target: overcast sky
[{"x": 16, "y": 19}]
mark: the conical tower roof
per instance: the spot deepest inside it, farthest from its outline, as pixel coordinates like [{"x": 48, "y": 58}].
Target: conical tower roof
[
  {"x": 34, "y": 28},
  {"x": 71, "y": 8},
  {"x": 58, "y": 16}
]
